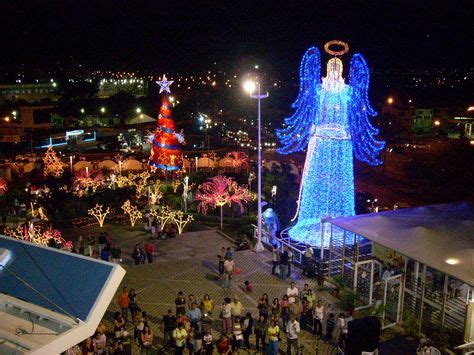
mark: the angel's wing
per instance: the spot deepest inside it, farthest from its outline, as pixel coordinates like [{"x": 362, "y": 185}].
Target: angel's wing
[
  {"x": 295, "y": 134},
  {"x": 366, "y": 146}
]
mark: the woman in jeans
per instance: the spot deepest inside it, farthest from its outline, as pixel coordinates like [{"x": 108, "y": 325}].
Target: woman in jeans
[
  {"x": 273, "y": 332},
  {"x": 285, "y": 310}
]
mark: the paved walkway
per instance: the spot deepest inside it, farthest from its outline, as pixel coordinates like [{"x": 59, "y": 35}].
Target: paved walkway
[{"x": 188, "y": 263}]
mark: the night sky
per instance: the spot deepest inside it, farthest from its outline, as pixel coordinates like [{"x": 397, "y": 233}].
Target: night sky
[{"x": 185, "y": 36}]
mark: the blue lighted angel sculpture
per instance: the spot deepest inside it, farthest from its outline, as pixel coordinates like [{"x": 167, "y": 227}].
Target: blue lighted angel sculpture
[{"x": 332, "y": 120}]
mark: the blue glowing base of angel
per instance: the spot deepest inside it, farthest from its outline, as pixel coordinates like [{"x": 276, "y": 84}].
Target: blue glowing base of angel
[{"x": 327, "y": 187}]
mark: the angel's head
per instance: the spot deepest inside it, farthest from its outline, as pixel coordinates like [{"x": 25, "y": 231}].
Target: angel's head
[{"x": 334, "y": 77}]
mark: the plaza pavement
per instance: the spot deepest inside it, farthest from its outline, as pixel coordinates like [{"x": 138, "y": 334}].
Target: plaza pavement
[{"x": 188, "y": 263}]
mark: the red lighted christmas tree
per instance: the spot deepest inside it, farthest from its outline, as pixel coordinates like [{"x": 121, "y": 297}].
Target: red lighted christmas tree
[{"x": 166, "y": 150}]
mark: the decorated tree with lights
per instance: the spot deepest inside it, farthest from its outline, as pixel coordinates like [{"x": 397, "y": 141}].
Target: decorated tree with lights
[
  {"x": 99, "y": 213},
  {"x": 239, "y": 159},
  {"x": 220, "y": 191},
  {"x": 88, "y": 178},
  {"x": 52, "y": 164},
  {"x": 166, "y": 143},
  {"x": 332, "y": 121},
  {"x": 133, "y": 213}
]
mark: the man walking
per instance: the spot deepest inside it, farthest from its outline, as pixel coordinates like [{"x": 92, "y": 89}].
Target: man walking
[{"x": 292, "y": 332}]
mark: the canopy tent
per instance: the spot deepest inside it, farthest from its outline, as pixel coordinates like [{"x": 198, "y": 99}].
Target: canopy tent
[
  {"x": 440, "y": 236},
  {"x": 139, "y": 119}
]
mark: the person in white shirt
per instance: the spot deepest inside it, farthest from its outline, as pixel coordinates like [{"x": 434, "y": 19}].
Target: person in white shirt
[
  {"x": 292, "y": 332},
  {"x": 292, "y": 292},
  {"x": 318, "y": 314},
  {"x": 308, "y": 256},
  {"x": 275, "y": 259},
  {"x": 228, "y": 271}
]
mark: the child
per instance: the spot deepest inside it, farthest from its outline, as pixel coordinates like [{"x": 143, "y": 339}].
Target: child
[{"x": 248, "y": 286}]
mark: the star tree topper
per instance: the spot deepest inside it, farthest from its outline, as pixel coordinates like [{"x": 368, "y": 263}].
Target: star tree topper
[{"x": 165, "y": 84}]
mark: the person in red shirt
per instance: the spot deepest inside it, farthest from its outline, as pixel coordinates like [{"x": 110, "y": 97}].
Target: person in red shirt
[
  {"x": 149, "y": 249},
  {"x": 224, "y": 345},
  {"x": 123, "y": 302}
]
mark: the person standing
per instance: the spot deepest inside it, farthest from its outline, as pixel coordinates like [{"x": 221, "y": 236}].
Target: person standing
[
  {"x": 318, "y": 315},
  {"x": 290, "y": 260},
  {"x": 208, "y": 346},
  {"x": 226, "y": 316},
  {"x": 132, "y": 303},
  {"x": 247, "y": 326},
  {"x": 123, "y": 302},
  {"x": 90, "y": 244},
  {"x": 283, "y": 265},
  {"x": 285, "y": 310},
  {"x": 273, "y": 333},
  {"x": 221, "y": 259},
  {"x": 168, "y": 325},
  {"x": 292, "y": 332},
  {"x": 207, "y": 305},
  {"x": 275, "y": 258},
  {"x": 307, "y": 258},
  {"x": 223, "y": 345},
  {"x": 149, "y": 249},
  {"x": 237, "y": 335},
  {"x": 194, "y": 314},
  {"x": 330, "y": 324},
  {"x": 236, "y": 307},
  {"x": 228, "y": 271},
  {"x": 180, "y": 335},
  {"x": 116, "y": 253},
  {"x": 260, "y": 332},
  {"x": 292, "y": 292},
  {"x": 180, "y": 303},
  {"x": 147, "y": 340}
]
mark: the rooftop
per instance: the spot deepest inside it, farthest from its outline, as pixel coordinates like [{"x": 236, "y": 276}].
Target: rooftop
[{"x": 440, "y": 236}]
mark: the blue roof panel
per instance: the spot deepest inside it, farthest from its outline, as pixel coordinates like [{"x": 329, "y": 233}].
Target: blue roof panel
[{"x": 70, "y": 281}]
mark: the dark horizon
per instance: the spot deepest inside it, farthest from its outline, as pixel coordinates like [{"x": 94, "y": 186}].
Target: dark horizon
[{"x": 177, "y": 37}]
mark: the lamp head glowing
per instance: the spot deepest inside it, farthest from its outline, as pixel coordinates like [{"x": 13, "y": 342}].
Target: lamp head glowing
[
  {"x": 250, "y": 86},
  {"x": 452, "y": 261}
]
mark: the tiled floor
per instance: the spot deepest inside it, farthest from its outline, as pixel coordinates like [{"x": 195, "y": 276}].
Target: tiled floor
[{"x": 189, "y": 264}]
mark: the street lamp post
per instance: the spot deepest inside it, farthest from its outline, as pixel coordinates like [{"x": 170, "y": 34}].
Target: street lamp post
[{"x": 250, "y": 87}]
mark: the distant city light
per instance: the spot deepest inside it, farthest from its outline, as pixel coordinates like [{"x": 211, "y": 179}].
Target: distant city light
[
  {"x": 256, "y": 66},
  {"x": 14, "y": 113},
  {"x": 82, "y": 110},
  {"x": 437, "y": 123},
  {"x": 7, "y": 119},
  {"x": 390, "y": 100},
  {"x": 470, "y": 108},
  {"x": 102, "y": 109},
  {"x": 138, "y": 110}
]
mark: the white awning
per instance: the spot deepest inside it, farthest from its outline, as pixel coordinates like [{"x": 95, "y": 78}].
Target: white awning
[{"x": 440, "y": 236}]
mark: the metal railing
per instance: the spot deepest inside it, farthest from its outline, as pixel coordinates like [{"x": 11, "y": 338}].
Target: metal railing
[{"x": 297, "y": 248}]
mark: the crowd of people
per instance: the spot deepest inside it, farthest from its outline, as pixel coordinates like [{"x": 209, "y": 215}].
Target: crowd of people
[{"x": 193, "y": 323}]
